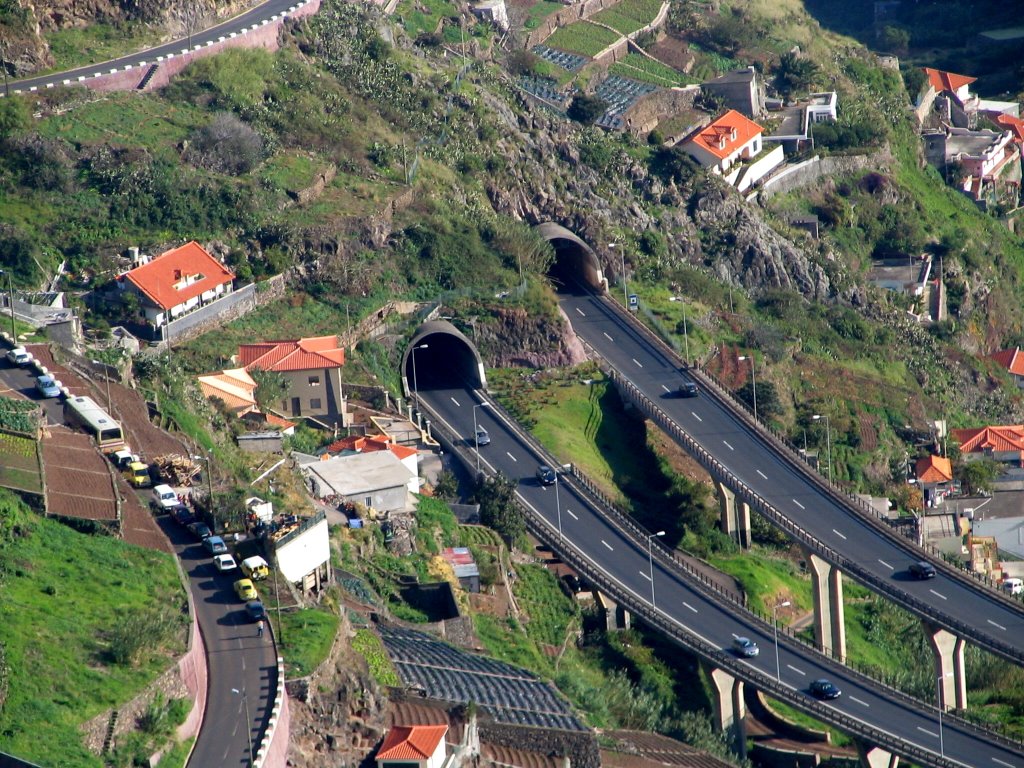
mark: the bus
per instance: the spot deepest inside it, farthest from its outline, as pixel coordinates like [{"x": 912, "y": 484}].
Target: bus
[{"x": 84, "y": 413}]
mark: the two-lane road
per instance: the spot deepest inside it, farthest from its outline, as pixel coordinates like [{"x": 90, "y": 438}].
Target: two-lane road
[
  {"x": 755, "y": 462},
  {"x": 587, "y": 536}
]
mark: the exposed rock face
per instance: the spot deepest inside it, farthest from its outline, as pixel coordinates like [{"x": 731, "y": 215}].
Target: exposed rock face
[{"x": 517, "y": 339}]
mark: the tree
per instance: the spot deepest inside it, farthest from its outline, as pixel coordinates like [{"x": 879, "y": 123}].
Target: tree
[
  {"x": 271, "y": 388},
  {"x": 226, "y": 144},
  {"x": 977, "y": 476},
  {"x": 499, "y": 509},
  {"x": 586, "y": 109},
  {"x": 446, "y": 486},
  {"x": 894, "y": 39},
  {"x": 794, "y": 73},
  {"x": 13, "y": 116},
  {"x": 768, "y": 404}
]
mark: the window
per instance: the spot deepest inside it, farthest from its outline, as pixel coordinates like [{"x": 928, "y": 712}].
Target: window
[
  {"x": 368, "y": 502},
  {"x": 314, "y": 381},
  {"x": 314, "y": 403}
]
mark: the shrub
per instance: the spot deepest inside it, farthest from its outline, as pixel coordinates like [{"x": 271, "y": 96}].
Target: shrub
[
  {"x": 227, "y": 145},
  {"x": 586, "y": 109}
]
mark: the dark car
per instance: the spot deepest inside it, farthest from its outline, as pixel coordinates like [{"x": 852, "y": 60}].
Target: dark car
[
  {"x": 182, "y": 515},
  {"x": 744, "y": 646},
  {"x": 199, "y": 530},
  {"x": 922, "y": 570},
  {"x": 687, "y": 389},
  {"x": 825, "y": 689},
  {"x": 255, "y": 610},
  {"x": 545, "y": 475}
]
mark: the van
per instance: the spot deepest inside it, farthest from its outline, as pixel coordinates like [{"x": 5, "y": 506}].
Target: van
[
  {"x": 1013, "y": 586},
  {"x": 137, "y": 474},
  {"x": 255, "y": 568},
  {"x": 164, "y": 498}
]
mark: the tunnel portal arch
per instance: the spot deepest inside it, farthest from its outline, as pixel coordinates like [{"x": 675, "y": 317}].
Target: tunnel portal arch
[
  {"x": 574, "y": 258},
  {"x": 445, "y": 357}
]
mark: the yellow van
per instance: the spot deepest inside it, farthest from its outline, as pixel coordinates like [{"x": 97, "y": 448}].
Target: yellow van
[{"x": 255, "y": 568}]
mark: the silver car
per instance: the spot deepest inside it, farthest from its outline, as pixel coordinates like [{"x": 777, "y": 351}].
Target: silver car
[{"x": 745, "y": 647}]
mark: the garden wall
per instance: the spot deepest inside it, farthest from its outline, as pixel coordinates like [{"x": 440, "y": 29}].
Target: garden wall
[
  {"x": 231, "y": 307},
  {"x": 809, "y": 171},
  {"x": 564, "y": 17}
]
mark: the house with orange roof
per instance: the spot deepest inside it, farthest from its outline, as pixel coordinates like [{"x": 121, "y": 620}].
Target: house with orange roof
[
  {"x": 312, "y": 369},
  {"x": 234, "y": 387},
  {"x": 724, "y": 144},
  {"x": 1001, "y": 443},
  {"x": 1014, "y": 125},
  {"x": 370, "y": 443},
  {"x": 1012, "y": 361},
  {"x": 176, "y": 282},
  {"x": 934, "y": 474},
  {"x": 413, "y": 746},
  {"x": 950, "y": 82}
]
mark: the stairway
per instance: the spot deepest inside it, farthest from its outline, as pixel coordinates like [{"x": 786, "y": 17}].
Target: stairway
[{"x": 147, "y": 77}]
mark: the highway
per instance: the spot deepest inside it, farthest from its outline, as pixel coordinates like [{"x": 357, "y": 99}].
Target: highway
[
  {"x": 591, "y": 541},
  {"x": 252, "y": 17},
  {"x": 966, "y": 607}
]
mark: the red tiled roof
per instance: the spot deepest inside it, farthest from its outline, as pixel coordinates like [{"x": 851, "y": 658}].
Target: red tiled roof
[
  {"x": 934, "y": 469},
  {"x": 1010, "y": 359},
  {"x": 946, "y": 81},
  {"x": 1009, "y": 438},
  {"x": 1013, "y": 124},
  {"x": 299, "y": 355},
  {"x": 411, "y": 742},
  {"x": 158, "y": 279},
  {"x": 369, "y": 444},
  {"x": 717, "y": 137},
  {"x": 276, "y": 421}
]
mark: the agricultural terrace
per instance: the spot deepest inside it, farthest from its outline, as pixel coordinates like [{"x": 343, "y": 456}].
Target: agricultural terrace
[
  {"x": 638, "y": 67},
  {"x": 582, "y": 37},
  {"x": 629, "y": 15},
  {"x": 19, "y": 460}
]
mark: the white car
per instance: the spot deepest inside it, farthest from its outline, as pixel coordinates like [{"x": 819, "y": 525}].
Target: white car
[
  {"x": 164, "y": 498},
  {"x": 224, "y": 563},
  {"x": 19, "y": 356}
]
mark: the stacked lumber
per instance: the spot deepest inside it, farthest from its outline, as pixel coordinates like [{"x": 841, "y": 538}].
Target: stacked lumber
[{"x": 176, "y": 469}]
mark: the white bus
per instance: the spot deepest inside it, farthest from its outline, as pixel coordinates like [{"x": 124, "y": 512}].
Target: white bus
[{"x": 84, "y": 413}]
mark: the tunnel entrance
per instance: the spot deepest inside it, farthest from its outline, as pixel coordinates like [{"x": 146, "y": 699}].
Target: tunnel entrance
[
  {"x": 575, "y": 261},
  {"x": 441, "y": 357}
]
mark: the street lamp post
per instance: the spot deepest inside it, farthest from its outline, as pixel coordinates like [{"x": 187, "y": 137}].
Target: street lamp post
[
  {"x": 415, "y": 388},
  {"x": 476, "y": 432},
  {"x": 828, "y": 440},
  {"x": 650, "y": 561},
  {"x": 558, "y": 503},
  {"x": 209, "y": 484},
  {"x": 753, "y": 380},
  {"x": 942, "y": 706},
  {"x": 686, "y": 336},
  {"x": 10, "y": 293},
  {"x": 775, "y": 624},
  {"x": 248, "y": 724}
]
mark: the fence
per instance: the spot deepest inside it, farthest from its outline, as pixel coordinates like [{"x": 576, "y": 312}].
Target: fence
[{"x": 230, "y": 307}]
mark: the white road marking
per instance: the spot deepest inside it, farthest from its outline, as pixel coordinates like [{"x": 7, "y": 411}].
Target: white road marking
[
  {"x": 638, "y": 362},
  {"x": 886, "y": 564},
  {"x": 762, "y": 474},
  {"x": 580, "y": 311},
  {"x": 997, "y": 626},
  {"x": 728, "y": 446},
  {"x": 690, "y": 607},
  {"x": 571, "y": 514},
  {"x": 938, "y": 594},
  {"x": 607, "y": 545},
  {"x": 645, "y": 575},
  {"x": 698, "y": 418},
  {"x": 930, "y": 733},
  {"x": 454, "y": 401},
  {"x": 837, "y": 533},
  {"x": 608, "y": 337},
  {"x": 862, "y": 703},
  {"x": 798, "y": 671},
  {"x": 512, "y": 457},
  {"x": 1002, "y": 762},
  {"x": 799, "y": 504},
  {"x": 665, "y": 388}
]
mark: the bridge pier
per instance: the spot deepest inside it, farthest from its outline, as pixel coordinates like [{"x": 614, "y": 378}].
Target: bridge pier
[
  {"x": 735, "y": 515},
  {"x": 875, "y": 757},
  {"x": 829, "y": 615},
  {"x": 949, "y": 667},
  {"x": 730, "y": 708},
  {"x": 615, "y": 616}
]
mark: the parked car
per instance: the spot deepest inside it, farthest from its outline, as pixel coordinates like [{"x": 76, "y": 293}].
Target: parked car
[
  {"x": 181, "y": 514},
  {"x": 744, "y": 646},
  {"x": 164, "y": 498},
  {"x": 199, "y": 529},
  {"x": 922, "y": 570},
  {"x": 1013, "y": 586},
  {"x": 687, "y": 389},
  {"x": 255, "y": 610},
  {"x": 825, "y": 689},
  {"x": 46, "y": 386},
  {"x": 245, "y": 590},
  {"x": 482, "y": 438},
  {"x": 19, "y": 356},
  {"x": 215, "y": 545},
  {"x": 255, "y": 568},
  {"x": 224, "y": 563},
  {"x": 545, "y": 475}
]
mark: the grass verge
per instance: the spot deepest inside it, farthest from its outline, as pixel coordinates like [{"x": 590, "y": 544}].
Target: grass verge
[{"x": 304, "y": 638}]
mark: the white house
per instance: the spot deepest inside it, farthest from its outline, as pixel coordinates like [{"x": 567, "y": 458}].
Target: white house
[
  {"x": 413, "y": 746},
  {"x": 724, "y": 142},
  {"x": 821, "y": 108},
  {"x": 379, "y": 481}
]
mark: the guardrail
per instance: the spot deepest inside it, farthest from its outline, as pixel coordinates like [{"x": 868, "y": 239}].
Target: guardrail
[
  {"x": 275, "y": 716},
  {"x": 638, "y": 537},
  {"x": 855, "y": 505}
]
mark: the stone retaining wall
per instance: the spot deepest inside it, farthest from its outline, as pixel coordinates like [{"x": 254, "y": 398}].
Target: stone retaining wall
[
  {"x": 579, "y": 746},
  {"x": 564, "y": 17},
  {"x": 806, "y": 173}
]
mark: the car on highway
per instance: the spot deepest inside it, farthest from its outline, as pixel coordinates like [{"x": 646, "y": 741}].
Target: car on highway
[
  {"x": 745, "y": 647},
  {"x": 482, "y": 438},
  {"x": 825, "y": 690},
  {"x": 255, "y": 610},
  {"x": 19, "y": 356},
  {"x": 545, "y": 475},
  {"x": 687, "y": 389},
  {"x": 199, "y": 529},
  {"x": 215, "y": 545},
  {"x": 245, "y": 590},
  {"x": 224, "y": 563},
  {"x": 922, "y": 570},
  {"x": 46, "y": 386}
]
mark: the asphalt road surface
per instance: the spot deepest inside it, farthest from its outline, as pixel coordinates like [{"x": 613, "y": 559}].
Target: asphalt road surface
[
  {"x": 23, "y": 381},
  {"x": 751, "y": 459},
  {"x": 248, "y": 19}
]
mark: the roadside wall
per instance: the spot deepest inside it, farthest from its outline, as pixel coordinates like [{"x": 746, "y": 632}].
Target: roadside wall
[{"x": 224, "y": 310}]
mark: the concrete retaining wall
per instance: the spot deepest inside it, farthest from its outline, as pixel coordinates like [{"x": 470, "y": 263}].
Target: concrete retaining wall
[
  {"x": 809, "y": 171},
  {"x": 230, "y": 307}
]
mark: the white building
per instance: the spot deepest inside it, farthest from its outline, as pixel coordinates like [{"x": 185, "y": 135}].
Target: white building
[{"x": 379, "y": 481}]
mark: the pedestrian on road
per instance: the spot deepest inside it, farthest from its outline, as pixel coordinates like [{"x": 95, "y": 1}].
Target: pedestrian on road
[{"x": 259, "y": 628}]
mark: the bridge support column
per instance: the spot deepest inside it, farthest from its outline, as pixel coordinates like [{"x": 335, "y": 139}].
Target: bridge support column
[
  {"x": 949, "y": 667},
  {"x": 876, "y": 757},
  {"x": 735, "y": 516},
  {"x": 730, "y": 708},
  {"x": 829, "y": 616},
  {"x": 615, "y": 616}
]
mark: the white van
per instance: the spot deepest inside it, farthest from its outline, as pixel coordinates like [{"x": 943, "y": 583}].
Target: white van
[{"x": 1013, "y": 586}]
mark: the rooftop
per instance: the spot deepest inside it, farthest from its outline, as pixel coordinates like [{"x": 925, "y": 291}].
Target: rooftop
[
  {"x": 411, "y": 742},
  {"x": 933, "y": 469},
  {"x": 1010, "y": 359},
  {"x": 179, "y": 275},
  {"x": 726, "y": 135},
  {"x": 359, "y": 473},
  {"x": 946, "y": 81},
  {"x": 293, "y": 355}
]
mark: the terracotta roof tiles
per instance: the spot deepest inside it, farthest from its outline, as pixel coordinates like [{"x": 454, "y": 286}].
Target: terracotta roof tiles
[
  {"x": 726, "y": 135},
  {"x": 1010, "y": 359},
  {"x": 1008, "y": 438},
  {"x": 411, "y": 742},
  {"x": 933, "y": 469},
  {"x": 179, "y": 275},
  {"x": 946, "y": 81},
  {"x": 295, "y": 355}
]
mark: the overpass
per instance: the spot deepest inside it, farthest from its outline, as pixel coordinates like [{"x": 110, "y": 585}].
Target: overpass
[{"x": 626, "y": 566}]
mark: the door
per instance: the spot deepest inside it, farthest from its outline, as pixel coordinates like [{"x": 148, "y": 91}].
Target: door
[{"x": 296, "y": 407}]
